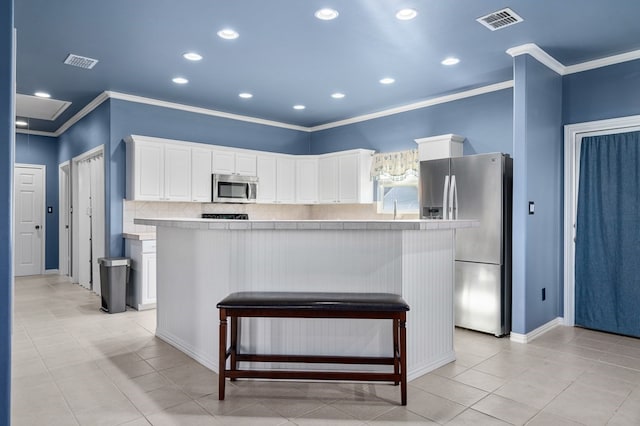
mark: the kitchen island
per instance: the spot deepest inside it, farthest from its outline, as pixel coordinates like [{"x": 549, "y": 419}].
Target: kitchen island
[{"x": 200, "y": 261}]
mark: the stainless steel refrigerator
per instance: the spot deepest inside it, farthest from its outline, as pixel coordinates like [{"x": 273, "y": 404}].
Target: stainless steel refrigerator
[{"x": 475, "y": 187}]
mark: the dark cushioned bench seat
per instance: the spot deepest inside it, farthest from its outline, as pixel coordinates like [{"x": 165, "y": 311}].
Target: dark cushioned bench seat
[{"x": 312, "y": 305}]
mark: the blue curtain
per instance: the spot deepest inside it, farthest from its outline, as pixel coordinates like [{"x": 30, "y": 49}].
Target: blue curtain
[{"x": 607, "y": 266}]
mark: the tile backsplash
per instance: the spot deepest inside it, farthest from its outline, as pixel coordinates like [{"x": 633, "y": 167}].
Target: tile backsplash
[{"x": 156, "y": 209}]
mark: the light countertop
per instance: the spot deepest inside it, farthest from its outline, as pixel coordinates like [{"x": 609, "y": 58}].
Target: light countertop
[
  {"x": 142, "y": 236},
  {"x": 398, "y": 225}
]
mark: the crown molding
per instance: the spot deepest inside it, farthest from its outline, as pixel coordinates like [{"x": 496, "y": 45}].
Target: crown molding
[
  {"x": 203, "y": 111},
  {"x": 542, "y": 56},
  {"x": 36, "y": 133},
  {"x": 95, "y": 103},
  {"x": 603, "y": 62},
  {"x": 548, "y": 60},
  {"x": 422, "y": 104}
]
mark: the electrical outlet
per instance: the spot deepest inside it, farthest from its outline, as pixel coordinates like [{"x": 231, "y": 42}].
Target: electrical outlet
[{"x": 544, "y": 294}]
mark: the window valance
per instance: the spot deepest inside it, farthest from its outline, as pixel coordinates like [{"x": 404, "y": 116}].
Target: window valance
[{"x": 395, "y": 166}]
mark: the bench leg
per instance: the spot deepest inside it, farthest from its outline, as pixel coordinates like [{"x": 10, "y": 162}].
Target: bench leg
[
  {"x": 235, "y": 324},
  {"x": 403, "y": 361},
  {"x": 222, "y": 362},
  {"x": 396, "y": 349}
]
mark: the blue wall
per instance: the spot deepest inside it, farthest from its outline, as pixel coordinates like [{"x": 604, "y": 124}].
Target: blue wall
[
  {"x": 607, "y": 92},
  {"x": 485, "y": 120},
  {"x": 7, "y": 152},
  {"x": 537, "y": 239},
  {"x": 32, "y": 149}
]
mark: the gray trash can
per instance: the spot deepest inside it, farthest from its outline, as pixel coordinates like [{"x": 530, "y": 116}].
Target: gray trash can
[{"x": 114, "y": 276}]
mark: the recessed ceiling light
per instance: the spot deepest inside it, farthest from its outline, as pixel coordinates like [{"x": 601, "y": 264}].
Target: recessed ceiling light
[
  {"x": 228, "y": 34},
  {"x": 387, "y": 80},
  {"x": 326, "y": 14},
  {"x": 42, "y": 94},
  {"x": 192, "y": 56},
  {"x": 21, "y": 123},
  {"x": 338, "y": 95},
  {"x": 406, "y": 14},
  {"x": 180, "y": 80},
  {"x": 450, "y": 61},
  {"x": 245, "y": 95},
  {"x": 299, "y": 107}
]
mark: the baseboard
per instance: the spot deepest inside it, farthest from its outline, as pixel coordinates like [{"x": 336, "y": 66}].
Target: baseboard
[
  {"x": 433, "y": 365},
  {"x": 51, "y": 272},
  {"x": 534, "y": 334},
  {"x": 178, "y": 343}
]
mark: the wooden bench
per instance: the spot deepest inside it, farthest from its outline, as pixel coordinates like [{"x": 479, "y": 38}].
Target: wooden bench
[{"x": 312, "y": 305}]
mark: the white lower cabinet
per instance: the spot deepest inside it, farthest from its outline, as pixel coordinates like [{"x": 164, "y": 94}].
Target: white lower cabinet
[{"x": 141, "y": 289}]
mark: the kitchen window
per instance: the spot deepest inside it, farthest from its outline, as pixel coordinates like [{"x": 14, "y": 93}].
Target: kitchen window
[
  {"x": 397, "y": 176},
  {"x": 402, "y": 194}
]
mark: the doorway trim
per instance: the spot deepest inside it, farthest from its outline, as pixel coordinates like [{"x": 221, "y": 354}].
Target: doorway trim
[
  {"x": 64, "y": 210},
  {"x": 44, "y": 203},
  {"x": 573, "y": 134}
]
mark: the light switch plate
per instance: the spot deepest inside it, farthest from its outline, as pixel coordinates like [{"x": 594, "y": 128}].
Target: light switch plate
[{"x": 532, "y": 207}]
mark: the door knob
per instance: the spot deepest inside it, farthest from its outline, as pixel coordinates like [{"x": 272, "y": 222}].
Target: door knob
[{"x": 37, "y": 226}]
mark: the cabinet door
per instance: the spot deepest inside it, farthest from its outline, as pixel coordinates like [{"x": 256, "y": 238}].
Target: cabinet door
[
  {"x": 348, "y": 178},
  {"x": 266, "y": 172},
  {"x": 245, "y": 164},
  {"x": 328, "y": 180},
  {"x": 224, "y": 162},
  {"x": 307, "y": 180},
  {"x": 285, "y": 180},
  {"x": 149, "y": 171},
  {"x": 201, "y": 160},
  {"x": 177, "y": 173},
  {"x": 149, "y": 278}
]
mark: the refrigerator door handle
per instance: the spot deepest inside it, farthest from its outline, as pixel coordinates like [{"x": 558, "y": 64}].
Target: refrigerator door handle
[
  {"x": 453, "y": 199},
  {"x": 445, "y": 195}
]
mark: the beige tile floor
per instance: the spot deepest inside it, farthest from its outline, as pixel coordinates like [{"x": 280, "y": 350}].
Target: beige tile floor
[{"x": 73, "y": 365}]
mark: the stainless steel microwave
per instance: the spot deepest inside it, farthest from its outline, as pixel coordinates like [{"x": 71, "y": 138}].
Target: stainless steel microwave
[{"x": 233, "y": 188}]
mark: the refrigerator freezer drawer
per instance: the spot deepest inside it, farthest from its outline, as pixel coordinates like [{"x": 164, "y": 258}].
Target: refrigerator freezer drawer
[{"x": 481, "y": 299}]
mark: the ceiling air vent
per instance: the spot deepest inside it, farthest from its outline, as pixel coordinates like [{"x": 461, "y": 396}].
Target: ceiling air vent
[
  {"x": 80, "y": 61},
  {"x": 500, "y": 19}
]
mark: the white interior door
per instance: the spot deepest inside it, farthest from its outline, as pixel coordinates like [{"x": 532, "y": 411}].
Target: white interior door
[{"x": 29, "y": 237}]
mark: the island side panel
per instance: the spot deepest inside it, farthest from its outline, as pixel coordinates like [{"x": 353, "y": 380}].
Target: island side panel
[
  {"x": 192, "y": 277},
  {"x": 427, "y": 286}
]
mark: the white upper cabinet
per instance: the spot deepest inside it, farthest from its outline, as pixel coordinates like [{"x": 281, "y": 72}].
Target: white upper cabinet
[
  {"x": 224, "y": 162},
  {"x": 307, "y": 179},
  {"x": 156, "y": 171},
  {"x": 201, "y": 166},
  {"x": 285, "y": 180},
  {"x": 165, "y": 170},
  {"x": 328, "y": 179},
  {"x": 266, "y": 172},
  {"x": 344, "y": 177},
  {"x": 177, "y": 179},
  {"x": 147, "y": 183},
  {"x": 229, "y": 162},
  {"x": 245, "y": 164},
  {"x": 348, "y": 182}
]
